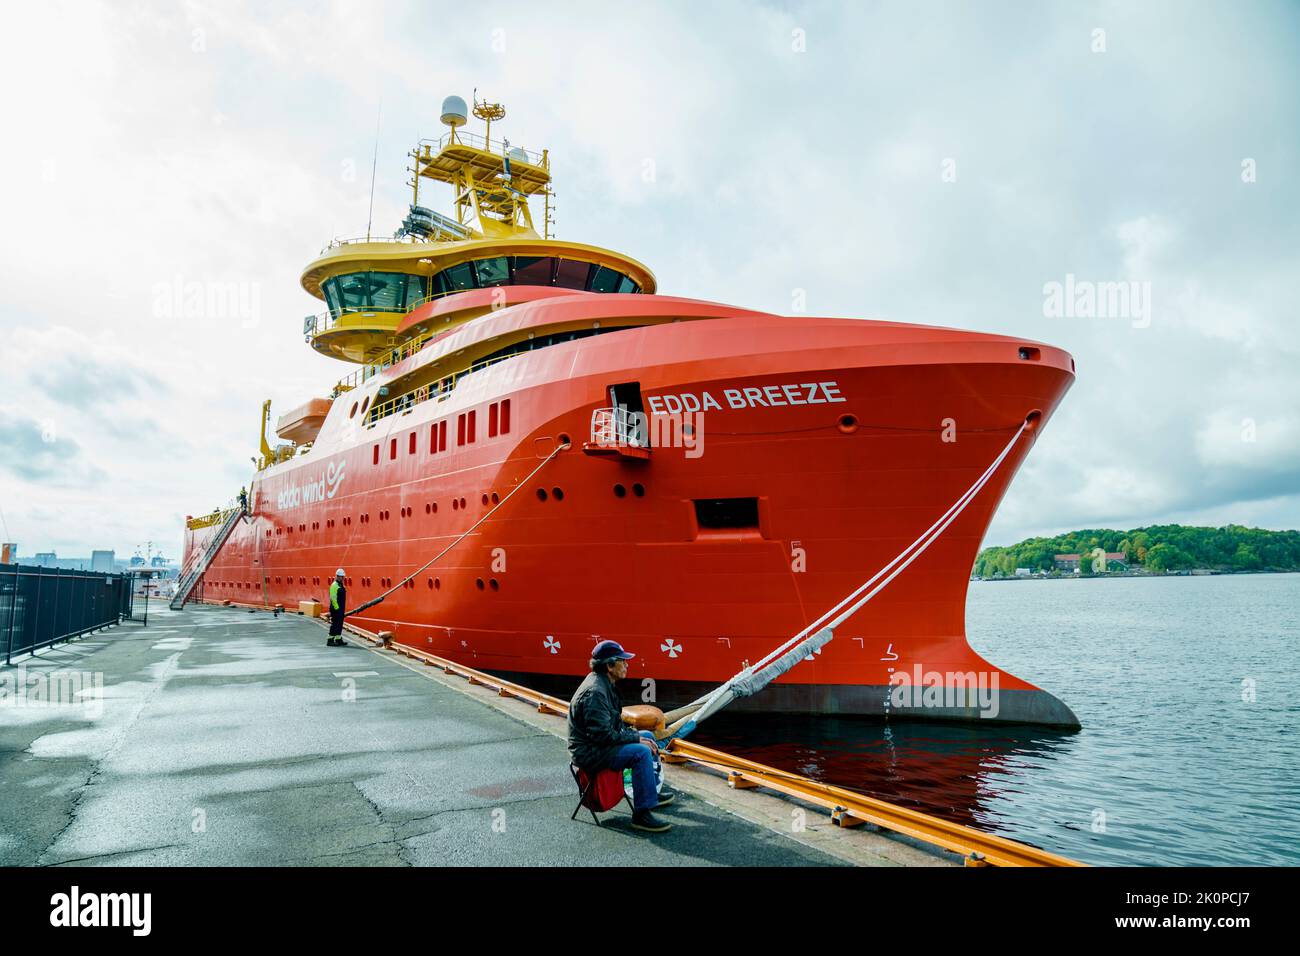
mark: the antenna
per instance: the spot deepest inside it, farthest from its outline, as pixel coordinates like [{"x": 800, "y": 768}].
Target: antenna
[
  {"x": 487, "y": 112},
  {"x": 374, "y": 164}
]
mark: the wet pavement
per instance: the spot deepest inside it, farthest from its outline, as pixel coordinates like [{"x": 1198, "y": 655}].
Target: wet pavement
[{"x": 224, "y": 737}]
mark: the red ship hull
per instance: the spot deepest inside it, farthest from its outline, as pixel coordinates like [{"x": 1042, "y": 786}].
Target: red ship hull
[{"x": 852, "y": 437}]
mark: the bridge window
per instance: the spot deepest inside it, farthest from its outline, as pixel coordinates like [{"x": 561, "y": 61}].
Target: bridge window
[
  {"x": 572, "y": 275},
  {"x": 460, "y": 277},
  {"x": 605, "y": 279},
  {"x": 493, "y": 272},
  {"x": 528, "y": 270},
  {"x": 384, "y": 291}
]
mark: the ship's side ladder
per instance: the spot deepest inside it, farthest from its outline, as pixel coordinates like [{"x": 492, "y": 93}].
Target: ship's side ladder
[{"x": 194, "y": 569}]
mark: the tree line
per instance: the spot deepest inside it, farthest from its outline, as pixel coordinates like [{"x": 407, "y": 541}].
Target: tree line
[{"x": 1158, "y": 549}]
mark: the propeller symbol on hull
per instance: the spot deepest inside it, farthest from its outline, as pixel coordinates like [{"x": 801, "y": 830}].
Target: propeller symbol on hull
[
  {"x": 670, "y": 648},
  {"x": 551, "y": 644}
]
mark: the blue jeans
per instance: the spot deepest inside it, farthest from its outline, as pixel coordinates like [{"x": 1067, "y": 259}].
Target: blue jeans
[{"x": 645, "y": 795}]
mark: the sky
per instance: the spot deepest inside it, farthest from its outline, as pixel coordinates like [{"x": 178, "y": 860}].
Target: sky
[{"x": 942, "y": 163}]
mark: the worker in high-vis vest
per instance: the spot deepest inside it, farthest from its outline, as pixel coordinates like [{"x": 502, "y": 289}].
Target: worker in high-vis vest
[{"x": 338, "y": 606}]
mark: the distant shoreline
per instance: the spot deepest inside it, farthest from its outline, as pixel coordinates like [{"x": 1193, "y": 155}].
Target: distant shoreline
[{"x": 1198, "y": 573}]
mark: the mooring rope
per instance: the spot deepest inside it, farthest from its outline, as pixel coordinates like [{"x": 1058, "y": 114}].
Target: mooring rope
[
  {"x": 754, "y": 677},
  {"x": 470, "y": 530}
]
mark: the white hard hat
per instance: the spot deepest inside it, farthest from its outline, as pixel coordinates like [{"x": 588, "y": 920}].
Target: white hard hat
[{"x": 340, "y": 573}]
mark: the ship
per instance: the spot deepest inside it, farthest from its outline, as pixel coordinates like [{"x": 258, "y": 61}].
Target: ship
[{"x": 535, "y": 450}]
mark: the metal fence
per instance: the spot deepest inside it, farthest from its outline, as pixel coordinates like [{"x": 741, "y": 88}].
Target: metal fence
[{"x": 40, "y": 606}]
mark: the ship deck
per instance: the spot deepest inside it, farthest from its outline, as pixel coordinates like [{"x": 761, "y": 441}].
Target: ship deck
[{"x": 224, "y": 738}]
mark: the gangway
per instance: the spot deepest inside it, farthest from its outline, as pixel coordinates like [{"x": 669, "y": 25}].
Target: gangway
[{"x": 194, "y": 568}]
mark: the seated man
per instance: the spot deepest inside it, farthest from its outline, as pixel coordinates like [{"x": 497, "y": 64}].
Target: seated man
[{"x": 599, "y": 740}]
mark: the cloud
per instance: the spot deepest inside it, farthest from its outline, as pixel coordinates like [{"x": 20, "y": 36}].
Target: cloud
[
  {"x": 35, "y": 452},
  {"x": 80, "y": 371}
]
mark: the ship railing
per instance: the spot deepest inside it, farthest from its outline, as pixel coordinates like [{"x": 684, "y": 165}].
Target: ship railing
[
  {"x": 325, "y": 321},
  {"x": 479, "y": 141},
  {"x": 217, "y": 516},
  {"x": 361, "y": 240},
  {"x": 439, "y": 391},
  {"x": 617, "y": 427},
  {"x": 370, "y": 370}
]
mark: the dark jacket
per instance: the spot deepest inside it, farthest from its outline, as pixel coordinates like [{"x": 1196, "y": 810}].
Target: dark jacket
[{"x": 596, "y": 728}]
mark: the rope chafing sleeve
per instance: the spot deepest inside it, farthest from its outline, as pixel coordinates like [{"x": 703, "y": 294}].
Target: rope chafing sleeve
[
  {"x": 470, "y": 530},
  {"x": 754, "y": 677}
]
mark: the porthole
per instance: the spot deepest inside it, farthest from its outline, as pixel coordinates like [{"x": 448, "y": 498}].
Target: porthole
[
  {"x": 353, "y": 413},
  {"x": 558, "y": 493},
  {"x": 455, "y": 505},
  {"x": 638, "y": 489},
  {"x": 495, "y": 499},
  {"x": 541, "y": 494},
  {"x": 478, "y": 582},
  {"x": 437, "y": 584},
  {"x": 619, "y": 491},
  {"x": 462, "y": 504},
  {"x": 365, "y": 404},
  {"x": 427, "y": 508},
  {"x": 430, "y": 582},
  {"x": 848, "y": 424},
  {"x": 485, "y": 500},
  {"x": 494, "y": 585}
]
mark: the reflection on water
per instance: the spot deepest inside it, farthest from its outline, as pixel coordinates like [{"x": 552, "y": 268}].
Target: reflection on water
[
  {"x": 947, "y": 770},
  {"x": 1187, "y": 692}
]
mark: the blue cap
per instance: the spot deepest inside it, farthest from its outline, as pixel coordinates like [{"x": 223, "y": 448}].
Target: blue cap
[{"x": 610, "y": 651}]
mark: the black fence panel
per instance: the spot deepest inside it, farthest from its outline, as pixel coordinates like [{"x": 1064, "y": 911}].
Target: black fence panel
[{"x": 39, "y": 606}]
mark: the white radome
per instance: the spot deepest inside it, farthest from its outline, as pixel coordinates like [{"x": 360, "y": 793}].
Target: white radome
[{"x": 454, "y": 112}]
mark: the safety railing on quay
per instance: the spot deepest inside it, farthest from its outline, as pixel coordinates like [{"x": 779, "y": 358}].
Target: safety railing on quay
[{"x": 41, "y": 606}]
